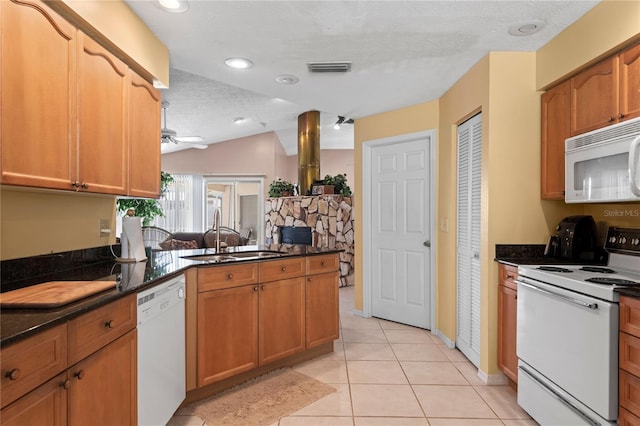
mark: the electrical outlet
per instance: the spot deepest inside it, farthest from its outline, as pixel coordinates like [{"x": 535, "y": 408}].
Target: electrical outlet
[
  {"x": 105, "y": 228},
  {"x": 444, "y": 225}
]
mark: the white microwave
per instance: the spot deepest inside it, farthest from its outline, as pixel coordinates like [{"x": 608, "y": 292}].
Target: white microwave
[{"x": 603, "y": 166}]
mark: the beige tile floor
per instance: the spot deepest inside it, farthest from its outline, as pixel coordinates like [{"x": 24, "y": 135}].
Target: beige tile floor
[{"x": 390, "y": 374}]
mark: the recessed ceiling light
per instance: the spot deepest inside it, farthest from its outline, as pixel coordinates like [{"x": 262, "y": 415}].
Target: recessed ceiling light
[
  {"x": 174, "y": 6},
  {"x": 287, "y": 79},
  {"x": 527, "y": 28},
  {"x": 239, "y": 120},
  {"x": 238, "y": 63}
]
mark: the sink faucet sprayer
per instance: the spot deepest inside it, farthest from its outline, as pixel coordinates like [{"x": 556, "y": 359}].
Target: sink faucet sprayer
[{"x": 216, "y": 227}]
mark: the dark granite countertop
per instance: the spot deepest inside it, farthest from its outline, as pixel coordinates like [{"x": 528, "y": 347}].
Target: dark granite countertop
[
  {"x": 16, "y": 324},
  {"x": 533, "y": 254}
]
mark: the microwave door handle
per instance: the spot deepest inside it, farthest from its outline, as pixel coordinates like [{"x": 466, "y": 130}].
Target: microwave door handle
[{"x": 634, "y": 167}]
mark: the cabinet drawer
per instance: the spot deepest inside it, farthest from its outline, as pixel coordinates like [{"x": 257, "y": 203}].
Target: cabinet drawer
[
  {"x": 31, "y": 362},
  {"x": 507, "y": 275},
  {"x": 95, "y": 329},
  {"x": 625, "y": 418},
  {"x": 324, "y": 263},
  {"x": 47, "y": 404},
  {"x": 282, "y": 269},
  {"x": 630, "y": 392},
  {"x": 219, "y": 277},
  {"x": 630, "y": 353},
  {"x": 630, "y": 315}
]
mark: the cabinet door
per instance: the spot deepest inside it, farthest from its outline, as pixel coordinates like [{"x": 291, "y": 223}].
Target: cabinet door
[
  {"x": 630, "y": 82},
  {"x": 281, "y": 313},
  {"x": 507, "y": 311},
  {"x": 102, "y": 143},
  {"x": 37, "y": 96},
  {"x": 322, "y": 309},
  {"x": 594, "y": 97},
  {"x": 556, "y": 119},
  {"x": 144, "y": 138},
  {"x": 103, "y": 388},
  {"x": 45, "y": 405},
  {"x": 227, "y": 333}
]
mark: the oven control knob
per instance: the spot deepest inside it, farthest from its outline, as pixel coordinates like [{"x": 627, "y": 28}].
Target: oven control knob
[
  {"x": 612, "y": 239},
  {"x": 623, "y": 240}
]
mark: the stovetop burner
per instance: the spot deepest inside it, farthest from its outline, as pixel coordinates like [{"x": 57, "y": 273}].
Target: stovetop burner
[
  {"x": 612, "y": 281},
  {"x": 597, "y": 269},
  {"x": 554, "y": 269}
]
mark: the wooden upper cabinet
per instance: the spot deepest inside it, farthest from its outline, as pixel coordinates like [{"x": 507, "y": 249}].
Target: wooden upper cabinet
[
  {"x": 102, "y": 117},
  {"x": 594, "y": 97},
  {"x": 144, "y": 138},
  {"x": 37, "y": 96},
  {"x": 630, "y": 82},
  {"x": 606, "y": 93},
  {"x": 555, "y": 129}
]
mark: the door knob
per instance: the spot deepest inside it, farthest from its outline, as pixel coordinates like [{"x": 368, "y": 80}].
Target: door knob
[{"x": 427, "y": 243}]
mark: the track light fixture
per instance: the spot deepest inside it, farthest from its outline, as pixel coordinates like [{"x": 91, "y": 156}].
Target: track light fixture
[{"x": 341, "y": 121}]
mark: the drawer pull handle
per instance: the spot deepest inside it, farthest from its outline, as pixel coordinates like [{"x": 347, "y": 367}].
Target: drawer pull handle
[
  {"x": 229, "y": 276},
  {"x": 611, "y": 119},
  {"x": 14, "y": 374},
  {"x": 65, "y": 385},
  {"x": 509, "y": 277},
  {"x": 620, "y": 116},
  {"x": 108, "y": 324},
  {"x": 323, "y": 264},
  {"x": 263, "y": 287},
  {"x": 283, "y": 269},
  {"x": 255, "y": 288},
  {"x": 79, "y": 374}
]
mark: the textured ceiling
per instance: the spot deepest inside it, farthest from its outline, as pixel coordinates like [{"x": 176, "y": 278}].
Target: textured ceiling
[{"x": 403, "y": 53}]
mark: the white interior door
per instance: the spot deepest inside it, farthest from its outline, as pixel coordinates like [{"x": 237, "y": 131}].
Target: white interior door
[
  {"x": 468, "y": 239},
  {"x": 400, "y": 238}
]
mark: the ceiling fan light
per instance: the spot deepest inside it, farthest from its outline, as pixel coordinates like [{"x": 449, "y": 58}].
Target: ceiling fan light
[
  {"x": 174, "y": 6},
  {"x": 238, "y": 63}
]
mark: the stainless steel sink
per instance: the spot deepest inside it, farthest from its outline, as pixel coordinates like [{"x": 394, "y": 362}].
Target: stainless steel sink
[
  {"x": 258, "y": 254},
  {"x": 209, "y": 257},
  {"x": 225, "y": 257}
]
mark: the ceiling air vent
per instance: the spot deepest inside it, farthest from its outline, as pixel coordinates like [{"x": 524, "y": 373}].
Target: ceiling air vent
[{"x": 336, "y": 66}]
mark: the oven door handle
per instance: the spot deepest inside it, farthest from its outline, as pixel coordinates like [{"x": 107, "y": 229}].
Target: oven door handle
[
  {"x": 560, "y": 398},
  {"x": 560, "y": 296}
]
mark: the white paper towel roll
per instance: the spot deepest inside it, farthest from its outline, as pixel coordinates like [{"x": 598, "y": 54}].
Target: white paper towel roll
[{"x": 131, "y": 240}]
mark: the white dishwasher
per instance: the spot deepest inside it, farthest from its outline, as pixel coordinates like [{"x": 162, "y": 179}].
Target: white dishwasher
[{"x": 161, "y": 352}]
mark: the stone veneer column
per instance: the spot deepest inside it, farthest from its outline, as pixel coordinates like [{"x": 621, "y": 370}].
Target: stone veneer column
[{"x": 329, "y": 216}]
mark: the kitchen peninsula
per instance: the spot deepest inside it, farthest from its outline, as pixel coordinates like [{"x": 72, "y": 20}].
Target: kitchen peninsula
[{"x": 44, "y": 352}]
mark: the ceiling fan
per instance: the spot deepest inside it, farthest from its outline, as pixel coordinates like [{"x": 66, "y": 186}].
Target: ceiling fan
[{"x": 171, "y": 136}]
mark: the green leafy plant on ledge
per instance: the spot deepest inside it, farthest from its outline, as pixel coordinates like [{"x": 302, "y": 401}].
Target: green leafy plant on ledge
[
  {"x": 280, "y": 188},
  {"x": 146, "y": 208},
  {"x": 339, "y": 183}
]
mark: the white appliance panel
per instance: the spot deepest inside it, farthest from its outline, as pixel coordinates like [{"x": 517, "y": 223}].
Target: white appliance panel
[
  {"x": 549, "y": 404},
  {"x": 557, "y": 328}
]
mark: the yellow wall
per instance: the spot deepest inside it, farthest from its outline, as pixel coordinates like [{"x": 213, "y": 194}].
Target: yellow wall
[
  {"x": 600, "y": 31},
  {"x": 116, "y": 22},
  {"x": 35, "y": 222}
]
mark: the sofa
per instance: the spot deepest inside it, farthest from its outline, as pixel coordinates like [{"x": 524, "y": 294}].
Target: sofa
[{"x": 161, "y": 239}]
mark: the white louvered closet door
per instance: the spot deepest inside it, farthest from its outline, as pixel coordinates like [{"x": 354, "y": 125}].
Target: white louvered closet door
[{"x": 468, "y": 244}]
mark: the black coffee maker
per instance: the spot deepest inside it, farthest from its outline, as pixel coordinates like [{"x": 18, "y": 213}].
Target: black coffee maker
[{"x": 575, "y": 240}]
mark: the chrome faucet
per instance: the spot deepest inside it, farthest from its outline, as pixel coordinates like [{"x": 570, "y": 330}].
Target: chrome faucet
[{"x": 216, "y": 227}]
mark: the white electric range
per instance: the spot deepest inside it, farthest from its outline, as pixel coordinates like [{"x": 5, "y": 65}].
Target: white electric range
[{"x": 567, "y": 335}]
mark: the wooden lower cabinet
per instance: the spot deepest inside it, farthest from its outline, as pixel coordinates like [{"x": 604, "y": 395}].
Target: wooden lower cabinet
[
  {"x": 41, "y": 386},
  {"x": 103, "y": 388},
  {"x": 45, "y": 405},
  {"x": 281, "y": 319},
  {"x": 629, "y": 362},
  {"x": 507, "y": 315},
  {"x": 227, "y": 333},
  {"x": 322, "y": 320}
]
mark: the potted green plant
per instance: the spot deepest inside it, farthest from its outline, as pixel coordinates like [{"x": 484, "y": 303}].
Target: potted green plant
[
  {"x": 280, "y": 188},
  {"x": 339, "y": 183},
  {"x": 146, "y": 208}
]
